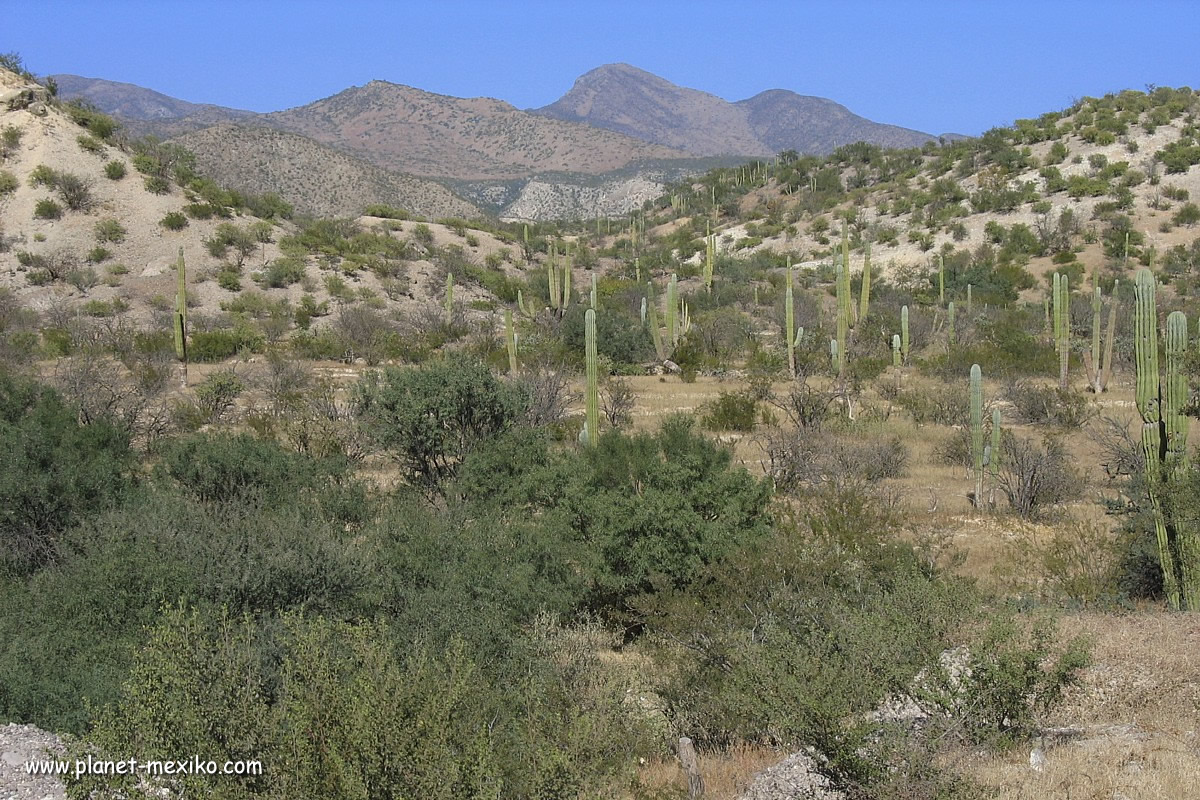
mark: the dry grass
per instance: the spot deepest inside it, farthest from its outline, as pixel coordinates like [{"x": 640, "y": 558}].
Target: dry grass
[{"x": 726, "y": 774}]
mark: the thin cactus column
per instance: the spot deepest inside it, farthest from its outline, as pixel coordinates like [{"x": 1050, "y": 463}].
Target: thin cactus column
[
  {"x": 552, "y": 281},
  {"x": 660, "y": 349},
  {"x": 835, "y": 361},
  {"x": 895, "y": 350},
  {"x": 970, "y": 302},
  {"x": 1064, "y": 332},
  {"x": 643, "y": 311},
  {"x": 1056, "y": 296},
  {"x": 904, "y": 341},
  {"x": 864, "y": 296},
  {"x": 950, "y": 338},
  {"x": 846, "y": 297},
  {"x": 449, "y": 298},
  {"x": 789, "y": 319},
  {"x": 672, "y": 309},
  {"x": 843, "y": 318},
  {"x": 1148, "y": 403},
  {"x": 941, "y": 279},
  {"x": 1106, "y": 372},
  {"x": 566, "y": 282},
  {"x": 180, "y": 318},
  {"x": 510, "y": 337},
  {"x": 1094, "y": 363},
  {"x": 592, "y": 422},
  {"x": 977, "y": 431},
  {"x": 592, "y": 295}
]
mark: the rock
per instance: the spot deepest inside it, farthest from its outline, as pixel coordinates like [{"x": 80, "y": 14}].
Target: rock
[
  {"x": 20, "y": 744},
  {"x": 795, "y": 778}
]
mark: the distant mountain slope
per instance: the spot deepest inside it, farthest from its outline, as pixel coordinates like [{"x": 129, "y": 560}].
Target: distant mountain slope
[
  {"x": 410, "y": 130},
  {"x": 144, "y": 111},
  {"x": 784, "y": 120},
  {"x": 316, "y": 178},
  {"x": 635, "y": 102},
  {"x": 626, "y": 99}
]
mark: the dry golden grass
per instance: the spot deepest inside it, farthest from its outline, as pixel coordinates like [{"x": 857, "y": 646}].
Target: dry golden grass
[{"x": 726, "y": 774}]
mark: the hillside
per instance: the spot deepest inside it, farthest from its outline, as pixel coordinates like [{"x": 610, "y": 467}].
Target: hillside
[
  {"x": 626, "y": 99},
  {"x": 405, "y": 129},
  {"x": 319, "y": 180}
]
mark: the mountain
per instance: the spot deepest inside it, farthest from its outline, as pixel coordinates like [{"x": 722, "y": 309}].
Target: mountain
[
  {"x": 144, "y": 111},
  {"x": 629, "y": 100},
  {"x": 316, "y": 178},
  {"x": 409, "y": 130}
]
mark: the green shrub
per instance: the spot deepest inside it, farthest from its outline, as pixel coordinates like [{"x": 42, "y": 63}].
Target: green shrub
[
  {"x": 8, "y": 182},
  {"x": 230, "y": 280},
  {"x": 732, "y": 411},
  {"x": 99, "y": 254},
  {"x": 90, "y": 144},
  {"x": 213, "y": 345},
  {"x": 114, "y": 170},
  {"x": 47, "y": 209},
  {"x": 156, "y": 184},
  {"x": 110, "y": 230},
  {"x": 283, "y": 271},
  {"x": 174, "y": 221}
]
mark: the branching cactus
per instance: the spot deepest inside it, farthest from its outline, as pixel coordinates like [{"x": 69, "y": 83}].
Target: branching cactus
[
  {"x": 1149, "y": 404},
  {"x": 977, "y": 431},
  {"x": 593, "y": 380},
  {"x": 180, "y": 318},
  {"x": 904, "y": 340}
]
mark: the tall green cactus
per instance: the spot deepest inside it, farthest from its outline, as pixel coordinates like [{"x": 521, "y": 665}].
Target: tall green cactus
[
  {"x": 449, "y": 298},
  {"x": 864, "y": 296},
  {"x": 592, "y": 295},
  {"x": 994, "y": 454},
  {"x": 977, "y": 431},
  {"x": 566, "y": 282},
  {"x": 834, "y": 356},
  {"x": 1149, "y": 403},
  {"x": 1106, "y": 370},
  {"x": 510, "y": 337},
  {"x": 672, "y": 309},
  {"x": 845, "y": 275},
  {"x": 180, "y": 317},
  {"x": 895, "y": 350},
  {"x": 660, "y": 349},
  {"x": 843, "y": 318},
  {"x": 789, "y": 320},
  {"x": 592, "y": 422},
  {"x": 1056, "y": 296},
  {"x": 1062, "y": 317},
  {"x": 941, "y": 279},
  {"x": 710, "y": 256},
  {"x": 970, "y": 300},
  {"x": 1175, "y": 393},
  {"x": 1100, "y": 372},
  {"x": 904, "y": 341},
  {"x": 950, "y": 337},
  {"x": 552, "y": 282}
]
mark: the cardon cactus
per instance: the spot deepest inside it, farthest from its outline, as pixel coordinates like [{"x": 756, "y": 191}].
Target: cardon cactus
[
  {"x": 510, "y": 338},
  {"x": 843, "y": 318},
  {"x": 449, "y": 298},
  {"x": 977, "y": 431},
  {"x": 660, "y": 349},
  {"x": 789, "y": 321},
  {"x": 1154, "y": 426},
  {"x": 895, "y": 349},
  {"x": 672, "y": 309},
  {"x": 904, "y": 341},
  {"x": 593, "y": 386},
  {"x": 950, "y": 338},
  {"x": 864, "y": 297}
]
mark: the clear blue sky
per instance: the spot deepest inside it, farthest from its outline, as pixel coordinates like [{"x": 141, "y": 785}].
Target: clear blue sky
[{"x": 961, "y": 66}]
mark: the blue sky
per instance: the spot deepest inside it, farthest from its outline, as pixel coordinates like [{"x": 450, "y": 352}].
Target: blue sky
[{"x": 935, "y": 66}]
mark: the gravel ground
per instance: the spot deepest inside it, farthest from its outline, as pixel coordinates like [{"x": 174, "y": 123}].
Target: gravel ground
[{"x": 22, "y": 743}]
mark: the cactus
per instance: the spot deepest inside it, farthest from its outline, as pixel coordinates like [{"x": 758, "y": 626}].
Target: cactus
[
  {"x": 941, "y": 279},
  {"x": 950, "y": 340},
  {"x": 592, "y": 296},
  {"x": 799, "y": 336},
  {"x": 510, "y": 335},
  {"x": 1149, "y": 399},
  {"x": 1106, "y": 371},
  {"x": 180, "y": 318},
  {"x": 710, "y": 254},
  {"x": 655, "y": 334},
  {"x": 637, "y": 269},
  {"x": 672, "y": 309},
  {"x": 643, "y": 311},
  {"x": 864, "y": 296},
  {"x": 895, "y": 350},
  {"x": 552, "y": 282},
  {"x": 685, "y": 320},
  {"x": 1049, "y": 326},
  {"x": 1175, "y": 392},
  {"x": 904, "y": 333},
  {"x": 1056, "y": 296},
  {"x": 845, "y": 274},
  {"x": 449, "y": 298},
  {"x": 1064, "y": 332},
  {"x": 566, "y": 283},
  {"x": 843, "y": 322},
  {"x": 789, "y": 319},
  {"x": 977, "y": 431},
  {"x": 1100, "y": 374},
  {"x": 993, "y": 455},
  {"x": 969, "y": 300},
  {"x": 593, "y": 391},
  {"x": 833, "y": 355}
]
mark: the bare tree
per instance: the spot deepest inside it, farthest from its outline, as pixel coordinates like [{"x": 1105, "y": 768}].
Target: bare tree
[{"x": 616, "y": 402}]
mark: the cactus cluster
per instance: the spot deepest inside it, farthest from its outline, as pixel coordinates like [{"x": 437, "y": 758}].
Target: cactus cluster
[{"x": 1164, "y": 437}]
